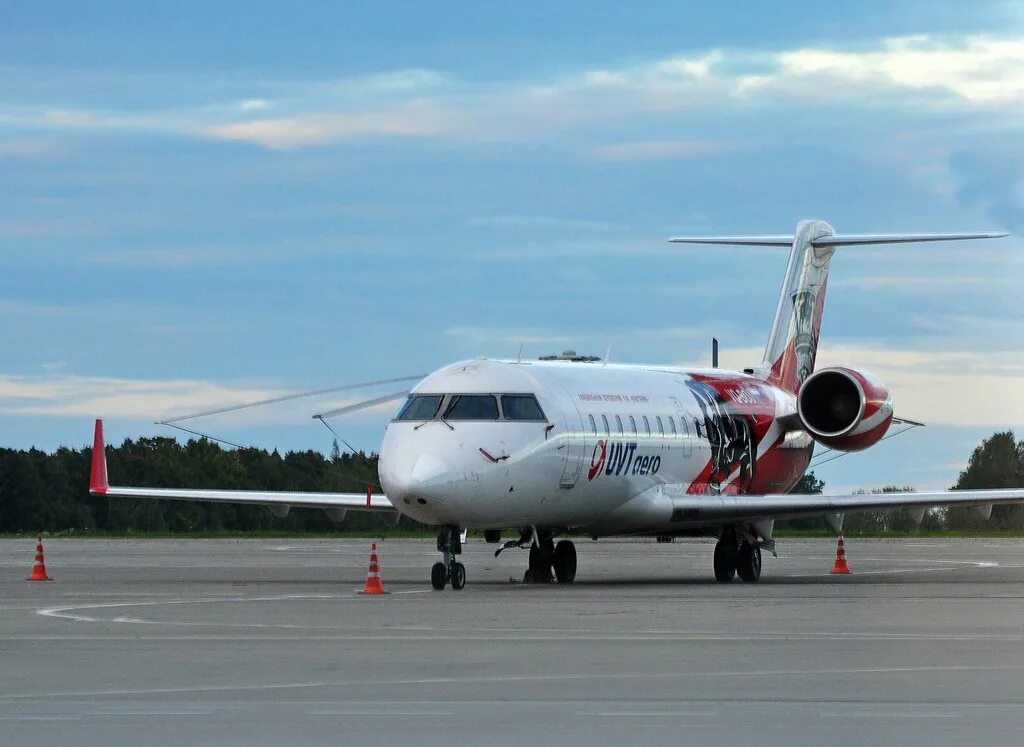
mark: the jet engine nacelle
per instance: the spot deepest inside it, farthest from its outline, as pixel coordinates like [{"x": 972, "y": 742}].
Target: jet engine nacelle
[{"x": 844, "y": 409}]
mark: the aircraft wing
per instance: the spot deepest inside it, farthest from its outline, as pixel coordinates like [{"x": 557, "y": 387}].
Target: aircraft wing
[
  {"x": 699, "y": 509},
  {"x": 99, "y": 485}
]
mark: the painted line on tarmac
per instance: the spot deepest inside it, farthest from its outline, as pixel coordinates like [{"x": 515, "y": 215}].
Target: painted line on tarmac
[
  {"x": 67, "y": 613},
  {"x": 533, "y": 639},
  {"x": 40, "y": 718},
  {"x": 648, "y": 714},
  {"x": 512, "y": 678},
  {"x": 888, "y": 714}
]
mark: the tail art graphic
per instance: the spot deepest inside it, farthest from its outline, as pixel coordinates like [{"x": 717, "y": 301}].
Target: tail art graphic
[{"x": 793, "y": 342}]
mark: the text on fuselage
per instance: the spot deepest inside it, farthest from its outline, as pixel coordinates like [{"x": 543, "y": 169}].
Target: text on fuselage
[{"x": 620, "y": 458}]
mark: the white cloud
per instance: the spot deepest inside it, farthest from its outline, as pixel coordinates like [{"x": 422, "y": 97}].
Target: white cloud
[
  {"x": 967, "y": 71},
  {"x": 97, "y": 396},
  {"x": 253, "y": 105},
  {"x": 975, "y": 69},
  {"x": 647, "y": 150},
  {"x": 412, "y": 119}
]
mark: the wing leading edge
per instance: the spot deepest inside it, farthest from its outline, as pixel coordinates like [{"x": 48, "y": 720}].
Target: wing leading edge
[
  {"x": 99, "y": 485},
  {"x": 701, "y": 509}
]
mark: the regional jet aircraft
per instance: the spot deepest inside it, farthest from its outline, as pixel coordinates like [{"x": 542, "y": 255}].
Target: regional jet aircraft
[{"x": 576, "y": 446}]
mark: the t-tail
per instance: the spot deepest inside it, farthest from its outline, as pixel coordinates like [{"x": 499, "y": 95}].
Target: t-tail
[{"x": 793, "y": 342}]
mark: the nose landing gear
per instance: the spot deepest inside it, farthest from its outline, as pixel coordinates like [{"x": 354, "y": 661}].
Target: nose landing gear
[{"x": 449, "y": 543}]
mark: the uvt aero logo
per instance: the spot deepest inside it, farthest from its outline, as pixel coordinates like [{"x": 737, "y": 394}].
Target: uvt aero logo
[{"x": 621, "y": 459}]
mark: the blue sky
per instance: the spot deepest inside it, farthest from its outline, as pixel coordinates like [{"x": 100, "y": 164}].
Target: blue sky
[{"x": 209, "y": 204}]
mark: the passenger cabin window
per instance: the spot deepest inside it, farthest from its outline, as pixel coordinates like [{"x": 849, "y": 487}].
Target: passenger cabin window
[
  {"x": 604, "y": 421},
  {"x": 661, "y": 428},
  {"x": 472, "y": 407},
  {"x": 618, "y": 425},
  {"x": 521, "y": 407},
  {"x": 632, "y": 424},
  {"x": 647, "y": 425},
  {"x": 593, "y": 425},
  {"x": 420, "y": 407}
]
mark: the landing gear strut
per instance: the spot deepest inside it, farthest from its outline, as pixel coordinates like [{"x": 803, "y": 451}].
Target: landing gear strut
[{"x": 449, "y": 544}]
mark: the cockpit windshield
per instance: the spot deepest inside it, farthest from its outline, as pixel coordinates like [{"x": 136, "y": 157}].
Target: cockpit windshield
[
  {"x": 421, "y": 407},
  {"x": 514, "y": 407},
  {"x": 521, "y": 407},
  {"x": 472, "y": 407}
]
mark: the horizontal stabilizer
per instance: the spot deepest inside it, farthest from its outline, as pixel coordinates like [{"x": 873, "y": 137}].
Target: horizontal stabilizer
[
  {"x": 735, "y": 240},
  {"x": 851, "y": 239},
  {"x": 862, "y": 239}
]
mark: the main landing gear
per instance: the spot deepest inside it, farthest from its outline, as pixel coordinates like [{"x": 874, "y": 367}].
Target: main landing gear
[
  {"x": 547, "y": 557},
  {"x": 449, "y": 543},
  {"x": 548, "y": 561},
  {"x": 734, "y": 558}
]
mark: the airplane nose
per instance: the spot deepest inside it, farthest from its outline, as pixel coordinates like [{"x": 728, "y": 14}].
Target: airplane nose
[
  {"x": 428, "y": 467},
  {"x": 420, "y": 477}
]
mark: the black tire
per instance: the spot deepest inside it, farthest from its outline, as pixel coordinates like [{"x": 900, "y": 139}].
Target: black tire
[
  {"x": 748, "y": 562},
  {"x": 540, "y": 564},
  {"x": 458, "y": 576},
  {"x": 438, "y": 576},
  {"x": 726, "y": 556},
  {"x": 565, "y": 562}
]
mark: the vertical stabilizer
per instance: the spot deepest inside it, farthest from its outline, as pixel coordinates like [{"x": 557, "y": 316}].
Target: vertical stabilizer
[{"x": 793, "y": 342}]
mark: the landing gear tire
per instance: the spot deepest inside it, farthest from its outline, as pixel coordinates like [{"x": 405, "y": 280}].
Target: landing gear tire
[
  {"x": 726, "y": 557},
  {"x": 439, "y": 576},
  {"x": 449, "y": 545},
  {"x": 541, "y": 560},
  {"x": 748, "y": 562},
  {"x": 458, "y": 576},
  {"x": 565, "y": 562}
]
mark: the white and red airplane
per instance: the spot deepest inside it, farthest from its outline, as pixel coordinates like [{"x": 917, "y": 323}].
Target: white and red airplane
[{"x": 573, "y": 445}]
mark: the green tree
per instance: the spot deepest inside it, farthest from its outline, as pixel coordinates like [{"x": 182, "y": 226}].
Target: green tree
[{"x": 998, "y": 462}]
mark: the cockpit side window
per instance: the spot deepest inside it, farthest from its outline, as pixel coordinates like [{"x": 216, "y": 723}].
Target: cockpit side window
[
  {"x": 521, "y": 407},
  {"x": 420, "y": 407},
  {"x": 472, "y": 407}
]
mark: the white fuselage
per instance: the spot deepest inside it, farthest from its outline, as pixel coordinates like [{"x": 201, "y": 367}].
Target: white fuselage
[{"x": 615, "y": 444}]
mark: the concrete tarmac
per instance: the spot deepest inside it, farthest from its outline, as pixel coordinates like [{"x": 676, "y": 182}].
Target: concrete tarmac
[{"x": 268, "y": 642}]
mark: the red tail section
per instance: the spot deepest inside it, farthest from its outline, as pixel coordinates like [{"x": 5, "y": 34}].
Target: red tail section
[
  {"x": 98, "y": 476},
  {"x": 793, "y": 343}
]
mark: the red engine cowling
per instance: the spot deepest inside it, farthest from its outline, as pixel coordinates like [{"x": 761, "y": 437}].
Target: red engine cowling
[{"x": 844, "y": 409}]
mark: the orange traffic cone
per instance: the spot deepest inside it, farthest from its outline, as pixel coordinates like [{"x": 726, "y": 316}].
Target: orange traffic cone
[
  {"x": 840, "y": 565},
  {"x": 39, "y": 569},
  {"x": 373, "y": 584}
]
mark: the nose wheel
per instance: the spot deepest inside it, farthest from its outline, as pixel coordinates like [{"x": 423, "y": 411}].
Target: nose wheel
[{"x": 449, "y": 544}]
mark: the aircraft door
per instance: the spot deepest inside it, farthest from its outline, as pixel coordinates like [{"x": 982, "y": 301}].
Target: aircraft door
[
  {"x": 574, "y": 446},
  {"x": 684, "y": 431}
]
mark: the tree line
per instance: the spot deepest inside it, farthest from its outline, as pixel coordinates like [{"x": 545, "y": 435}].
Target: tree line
[
  {"x": 50, "y": 491},
  {"x": 40, "y": 490}
]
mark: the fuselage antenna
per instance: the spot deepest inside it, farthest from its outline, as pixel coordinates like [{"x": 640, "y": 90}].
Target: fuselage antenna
[
  {"x": 519, "y": 355},
  {"x": 714, "y": 352},
  {"x": 607, "y": 355}
]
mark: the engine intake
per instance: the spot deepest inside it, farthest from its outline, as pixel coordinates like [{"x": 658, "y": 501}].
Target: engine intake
[{"x": 844, "y": 409}]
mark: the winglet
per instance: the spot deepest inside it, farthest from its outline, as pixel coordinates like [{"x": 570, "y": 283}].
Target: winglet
[{"x": 98, "y": 477}]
